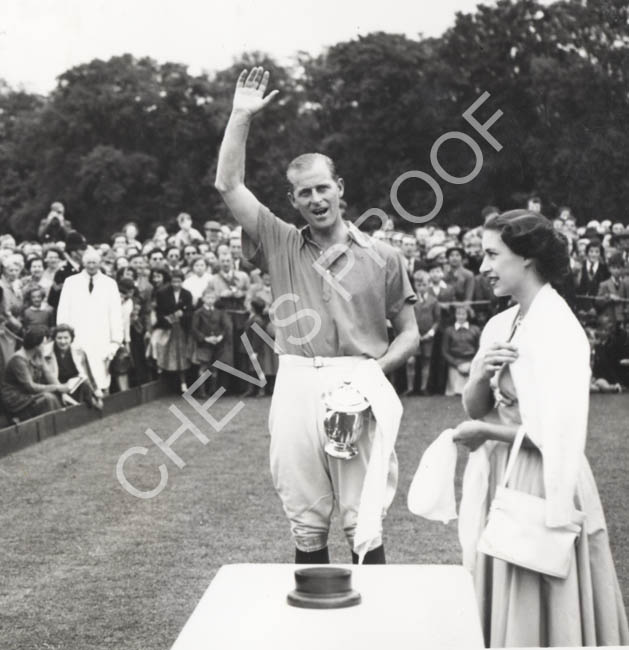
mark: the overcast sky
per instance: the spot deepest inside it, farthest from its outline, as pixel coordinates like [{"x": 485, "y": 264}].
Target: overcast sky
[{"x": 40, "y": 39}]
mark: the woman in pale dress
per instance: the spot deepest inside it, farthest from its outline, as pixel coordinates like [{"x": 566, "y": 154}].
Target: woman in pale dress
[
  {"x": 533, "y": 369},
  {"x": 196, "y": 283}
]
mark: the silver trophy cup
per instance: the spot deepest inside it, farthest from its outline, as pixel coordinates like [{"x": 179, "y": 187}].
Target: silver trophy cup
[{"x": 347, "y": 415}]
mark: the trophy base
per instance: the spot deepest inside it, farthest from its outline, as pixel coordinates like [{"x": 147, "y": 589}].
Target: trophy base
[
  {"x": 323, "y": 588},
  {"x": 337, "y": 450}
]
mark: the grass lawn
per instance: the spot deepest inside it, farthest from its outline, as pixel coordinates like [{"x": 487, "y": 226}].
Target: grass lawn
[{"x": 86, "y": 565}]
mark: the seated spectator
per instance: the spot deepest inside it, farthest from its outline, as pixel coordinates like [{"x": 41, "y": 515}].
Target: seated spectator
[
  {"x": 28, "y": 387},
  {"x": 68, "y": 363},
  {"x": 460, "y": 344},
  {"x": 38, "y": 312},
  {"x": 189, "y": 253},
  {"x": 52, "y": 263}
]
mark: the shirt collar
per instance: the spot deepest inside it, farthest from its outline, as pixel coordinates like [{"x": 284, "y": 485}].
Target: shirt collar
[
  {"x": 353, "y": 232},
  {"x": 465, "y": 325}
]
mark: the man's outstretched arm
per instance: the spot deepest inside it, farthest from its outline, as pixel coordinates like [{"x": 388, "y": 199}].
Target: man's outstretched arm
[{"x": 230, "y": 174}]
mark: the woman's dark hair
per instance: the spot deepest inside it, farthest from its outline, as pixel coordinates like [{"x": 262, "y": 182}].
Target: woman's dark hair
[
  {"x": 63, "y": 327},
  {"x": 532, "y": 236},
  {"x": 163, "y": 271},
  {"x": 35, "y": 258},
  {"x": 34, "y": 336},
  {"x": 126, "y": 269}
]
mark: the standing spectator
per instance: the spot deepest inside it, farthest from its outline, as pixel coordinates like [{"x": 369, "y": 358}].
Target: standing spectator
[
  {"x": 38, "y": 312},
  {"x": 211, "y": 330},
  {"x": 54, "y": 227},
  {"x": 230, "y": 285},
  {"x": 52, "y": 263},
  {"x": 197, "y": 282},
  {"x": 593, "y": 273},
  {"x": 35, "y": 267},
  {"x": 121, "y": 363},
  {"x": 409, "y": 252},
  {"x": 460, "y": 344},
  {"x": 187, "y": 234},
  {"x": 235, "y": 248},
  {"x": 174, "y": 313},
  {"x": 11, "y": 307},
  {"x": 173, "y": 257},
  {"x": 213, "y": 235},
  {"x": 156, "y": 258},
  {"x": 28, "y": 387},
  {"x": 190, "y": 251},
  {"x": 75, "y": 247},
  {"x": 428, "y": 315},
  {"x": 459, "y": 277},
  {"x": 613, "y": 292},
  {"x": 90, "y": 303},
  {"x": 130, "y": 231}
]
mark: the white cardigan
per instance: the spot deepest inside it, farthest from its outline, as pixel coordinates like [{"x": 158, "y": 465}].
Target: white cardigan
[{"x": 552, "y": 380}]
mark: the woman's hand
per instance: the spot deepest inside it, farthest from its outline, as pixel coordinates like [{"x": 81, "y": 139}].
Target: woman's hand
[
  {"x": 494, "y": 357},
  {"x": 470, "y": 433}
]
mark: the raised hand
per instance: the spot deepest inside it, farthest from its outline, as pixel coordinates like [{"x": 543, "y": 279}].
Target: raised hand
[{"x": 249, "y": 96}]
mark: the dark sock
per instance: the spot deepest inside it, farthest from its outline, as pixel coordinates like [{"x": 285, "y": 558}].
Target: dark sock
[
  {"x": 313, "y": 557},
  {"x": 375, "y": 556}
]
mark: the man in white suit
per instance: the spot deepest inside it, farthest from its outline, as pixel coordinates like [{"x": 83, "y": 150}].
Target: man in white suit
[{"x": 90, "y": 303}]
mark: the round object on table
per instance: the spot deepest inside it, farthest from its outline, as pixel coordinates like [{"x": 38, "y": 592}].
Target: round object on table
[{"x": 323, "y": 588}]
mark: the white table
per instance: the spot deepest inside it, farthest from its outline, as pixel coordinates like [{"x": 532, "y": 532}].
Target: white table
[{"x": 403, "y": 607}]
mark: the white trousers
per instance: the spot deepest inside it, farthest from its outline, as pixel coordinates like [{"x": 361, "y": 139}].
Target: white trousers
[{"x": 308, "y": 481}]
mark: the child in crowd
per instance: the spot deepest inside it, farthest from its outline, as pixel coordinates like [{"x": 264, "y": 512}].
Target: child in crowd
[
  {"x": 428, "y": 316},
  {"x": 38, "y": 313},
  {"x": 210, "y": 330},
  {"x": 460, "y": 344}
]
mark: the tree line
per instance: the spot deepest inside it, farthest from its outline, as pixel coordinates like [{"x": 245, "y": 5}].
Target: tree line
[{"x": 134, "y": 139}]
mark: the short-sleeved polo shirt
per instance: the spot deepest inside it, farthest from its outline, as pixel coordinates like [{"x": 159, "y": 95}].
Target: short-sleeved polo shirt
[{"x": 330, "y": 303}]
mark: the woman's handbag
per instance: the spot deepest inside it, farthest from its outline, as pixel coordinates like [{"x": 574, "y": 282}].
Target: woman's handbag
[{"x": 516, "y": 530}]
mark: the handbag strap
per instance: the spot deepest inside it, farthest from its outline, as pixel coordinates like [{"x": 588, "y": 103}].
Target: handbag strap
[
  {"x": 517, "y": 443},
  {"x": 519, "y": 436}
]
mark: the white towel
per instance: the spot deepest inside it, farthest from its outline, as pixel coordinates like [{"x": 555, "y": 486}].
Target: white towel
[
  {"x": 431, "y": 494},
  {"x": 378, "y": 487}
]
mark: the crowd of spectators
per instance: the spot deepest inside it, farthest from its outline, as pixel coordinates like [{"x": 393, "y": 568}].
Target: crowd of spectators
[{"x": 79, "y": 320}]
